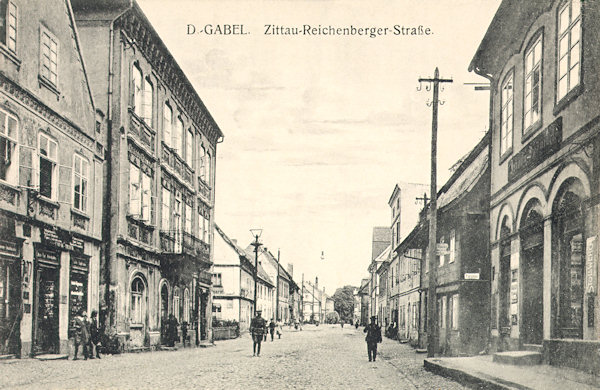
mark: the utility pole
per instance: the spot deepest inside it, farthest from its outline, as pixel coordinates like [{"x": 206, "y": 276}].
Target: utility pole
[
  {"x": 277, "y": 289},
  {"x": 256, "y": 234},
  {"x": 302, "y": 301},
  {"x": 432, "y": 320}
]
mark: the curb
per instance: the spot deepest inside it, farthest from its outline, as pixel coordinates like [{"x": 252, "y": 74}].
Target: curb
[{"x": 471, "y": 379}]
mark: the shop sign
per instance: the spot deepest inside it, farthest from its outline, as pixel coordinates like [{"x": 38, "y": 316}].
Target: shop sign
[
  {"x": 57, "y": 238},
  {"x": 9, "y": 247},
  {"x": 537, "y": 150},
  {"x": 48, "y": 257},
  {"x": 77, "y": 244},
  {"x": 591, "y": 269},
  {"x": 471, "y": 275},
  {"x": 79, "y": 264}
]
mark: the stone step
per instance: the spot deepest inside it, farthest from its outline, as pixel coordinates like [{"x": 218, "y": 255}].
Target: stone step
[
  {"x": 52, "y": 356},
  {"x": 518, "y": 358},
  {"x": 533, "y": 347}
]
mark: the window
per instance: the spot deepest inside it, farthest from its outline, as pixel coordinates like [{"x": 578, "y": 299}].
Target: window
[
  {"x": 569, "y": 47},
  {"x": 80, "y": 182},
  {"x": 176, "y": 303},
  {"x": 136, "y": 75},
  {"x": 201, "y": 165},
  {"x": 453, "y": 307},
  {"x": 188, "y": 219},
  {"x": 146, "y": 197},
  {"x": 8, "y": 24},
  {"x": 533, "y": 80},
  {"x": 137, "y": 301},
  {"x": 49, "y": 57},
  {"x": 166, "y": 209},
  {"x": 148, "y": 102},
  {"x": 186, "y": 305},
  {"x": 207, "y": 177},
  {"x": 167, "y": 124},
  {"x": 441, "y": 256},
  {"x": 452, "y": 246},
  {"x": 177, "y": 136},
  {"x": 506, "y": 125},
  {"x": 398, "y": 232},
  {"x": 9, "y": 162},
  {"x": 177, "y": 221},
  {"x": 189, "y": 145},
  {"x": 217, "y": 279},
  {"x": 134, "y": 190},
  {"x": 47, "y": 153}
]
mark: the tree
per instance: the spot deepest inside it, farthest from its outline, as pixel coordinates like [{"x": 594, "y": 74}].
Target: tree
[{"x": 343, "y": 303}]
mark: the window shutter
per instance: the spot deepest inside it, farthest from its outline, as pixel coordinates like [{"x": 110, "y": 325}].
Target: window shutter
[{"x": 64, "y": 183}]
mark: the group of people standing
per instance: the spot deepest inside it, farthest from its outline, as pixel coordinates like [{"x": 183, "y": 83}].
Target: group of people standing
[
  {"x": 259, "y": 330},
  {"x": 86, "y": 333}
]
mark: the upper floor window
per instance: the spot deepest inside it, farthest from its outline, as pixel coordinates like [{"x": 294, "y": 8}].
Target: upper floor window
[
  {"x": 49, "y": 57},
  {"x": 188, "y": 219},
  {"x": 140, "y": 193},
  {"x": 207, "y": 165},
  {"x": 189, "y": 146},
  {"x": 533, "y": 81},
  {"x": 136, "y": 75},
  {"x": 217, "y": 281},
  {"x": 178, "y": 136},
  {"x": 506, "y": 118},
  {"x": 167, "y": 124},
  {"x": 80, "y": 182},
  {"x": 201, "y": 162},
  {"x": 569, "y": 47},
  {"x": 166, "y": 209},
  {"x": 48, "y": 163},
  {"x": 9, "y": 163},
  {"x": 452, "y": 246},
  {"x": 8, "y": 25},
  {"x": 148, "y": 102}
]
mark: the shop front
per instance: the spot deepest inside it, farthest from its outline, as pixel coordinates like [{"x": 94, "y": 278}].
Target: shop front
[
  {"x": 46, "y": 301},
  {"x": 10, "y": 297}
]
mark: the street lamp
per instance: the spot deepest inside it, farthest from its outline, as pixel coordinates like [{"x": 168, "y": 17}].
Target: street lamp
[{"x": 256, "y": 234}]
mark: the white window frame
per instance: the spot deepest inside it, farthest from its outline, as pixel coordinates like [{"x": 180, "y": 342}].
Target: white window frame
[
  {"x": 208, "y": 167},
  {"x": 177, "y": 303},
  {"x": 189, "y": 147},
  {"x": 137, "y": 309},
  {"x": 148, "y": 102},
  {"x": 452, "y": 246},
  {"x": 455, "y": 317},
  {"x": 167, "y": 124},
  {"x": 166, "y": 209},
  {"x": 82, "y": 180},
  {"x": 188, "y": 219},
  {"x": 53, "y": 159},
  {"x": 137, "y": 82},
  {"x": 48, "y": 64},
  {"x": 507, "y": 114},
  {"x": 178, "y": 136},
  {"x": 569, "y": 51},
  {"x": 146, "y": 195},
  {"x": 533, "y": 67},
  {"x": 135, "y": 190},
  {"x": 186, "y": 305},
  {"x": 12, "y": 173},
  {"x": 11, "y": 20}
]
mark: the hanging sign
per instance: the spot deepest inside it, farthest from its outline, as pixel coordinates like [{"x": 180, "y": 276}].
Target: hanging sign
[{"x": 591, "y": 268}]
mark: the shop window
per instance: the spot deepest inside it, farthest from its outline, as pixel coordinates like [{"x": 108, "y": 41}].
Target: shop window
[
  {"x": 137, "y": 80},
  {"x": 49, "y": 57},
  {"x": 80, "y": 182},
  {"x": 533, "y": 83},
  {"x": 9, "y": 162},
  {"x": 8, "y": 25},
  {"x": 47, "y": 162},
  {"x": 186, "y": 305},
  {"x": 176, "y": 303},
  {"x": 137, "y": 310},
  {"x": 569, "y": 47},
  {"x": 506, "y": 118},
  {"x": 167, "y": 124}
]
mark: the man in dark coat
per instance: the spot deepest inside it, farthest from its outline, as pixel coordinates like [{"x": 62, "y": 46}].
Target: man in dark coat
[
  {"x": 272, "y": 328},
  {"x": 258, "y": 328},
  {"x": 94, "y": 336},
  {"x": 82, "y": 335},
  {"x": 373, "y": 332}
]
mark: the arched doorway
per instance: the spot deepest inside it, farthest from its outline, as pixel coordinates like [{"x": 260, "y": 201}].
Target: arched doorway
[
  {"x": 164, "y": 312},
  {"x": 504, "y": 280},
  {"x": 568, "y": 260},
  {"x": 532, "y": 274}
]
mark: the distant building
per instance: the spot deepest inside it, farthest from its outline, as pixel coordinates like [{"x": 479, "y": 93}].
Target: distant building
[
  {"x": 51, "y": 177},
  {"x": 380, "y": 251}
]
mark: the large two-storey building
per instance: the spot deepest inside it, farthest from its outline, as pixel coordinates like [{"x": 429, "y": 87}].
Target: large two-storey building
[{"x": 544, "y": 154}]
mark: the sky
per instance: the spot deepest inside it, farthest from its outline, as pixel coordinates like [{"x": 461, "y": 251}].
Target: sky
[{"x": 319, "y": 129}]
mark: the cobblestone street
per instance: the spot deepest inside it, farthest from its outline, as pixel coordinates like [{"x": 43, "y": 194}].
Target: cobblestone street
[{"x": 324, "y": 357}]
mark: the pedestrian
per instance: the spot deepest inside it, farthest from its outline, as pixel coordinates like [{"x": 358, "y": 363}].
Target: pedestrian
[
  {"x": 184, "y": 329},
  {"x": 342, "y": 323},
  {"x": 94, "y": 336},
  {"x": 272, "y": 328},
  {"x": 258, "y": 328},
  {"x": 373, "y": 332},
  {"x": 81, "y": 334},
  {"x": 356, "y": 324},
  {"x": 172, "y": 325},
  {"x": 279, "y": 329}
]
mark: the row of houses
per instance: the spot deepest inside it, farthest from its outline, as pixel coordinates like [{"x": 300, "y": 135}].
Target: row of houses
[
  {"x": 278, "y": 295},
  {"x": 107, "y": 175},
  {"x": 516, "y": 250}
]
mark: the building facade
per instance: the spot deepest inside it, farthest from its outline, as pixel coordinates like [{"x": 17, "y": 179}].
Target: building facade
[
  {"x": 462, "y": 288},
  {"x": 544, "y": 189},
  {"x": 159, "y": 190},
  {"x": 50, "y": 179}
]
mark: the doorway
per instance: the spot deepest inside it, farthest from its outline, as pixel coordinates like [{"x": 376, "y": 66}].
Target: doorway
[
  {"x": 532, "y": 317},
  {"x": 46, "y": 313},
  {"x": 164, "y": 313}
]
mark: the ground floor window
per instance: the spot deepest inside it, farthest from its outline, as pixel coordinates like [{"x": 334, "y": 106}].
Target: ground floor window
[{"x": 137, "y": 310}]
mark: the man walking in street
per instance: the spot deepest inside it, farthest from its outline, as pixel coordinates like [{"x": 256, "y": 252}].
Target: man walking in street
[
  {"x": 272, "y": 328},
  {"x": 94, "y": 336},
  {"x": 373, "y": 332},
  {"x": 258, "y": 328}
]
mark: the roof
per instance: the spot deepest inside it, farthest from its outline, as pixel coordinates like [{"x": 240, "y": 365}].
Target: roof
[
  {"x": 466, "y": 175},
  {"x": 382, "y": 233},
  {"x": 262, "y": 275},
  {"x": 505, "y": 34}
]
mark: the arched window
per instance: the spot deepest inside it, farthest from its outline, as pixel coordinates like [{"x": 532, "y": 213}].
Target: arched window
[
  {"x": 138, "y": 293},
  {"x": 186, "y": 305},
  {"x": 176, "y": 303},
  {"x": 178, "y": 136},
  {"x": 167, "y": 124},
  {"x": 148, "y": 101}
]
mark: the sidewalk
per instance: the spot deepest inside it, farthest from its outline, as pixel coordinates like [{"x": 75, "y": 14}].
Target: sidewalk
[{"x": 482, "y": 372}]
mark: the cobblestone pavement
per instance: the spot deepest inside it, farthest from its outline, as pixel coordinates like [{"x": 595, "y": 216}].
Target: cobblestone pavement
[{"x": 324, "y": 357}]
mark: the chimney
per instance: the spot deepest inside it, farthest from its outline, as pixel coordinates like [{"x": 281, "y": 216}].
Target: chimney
[{"x": 290, "y": 269}]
